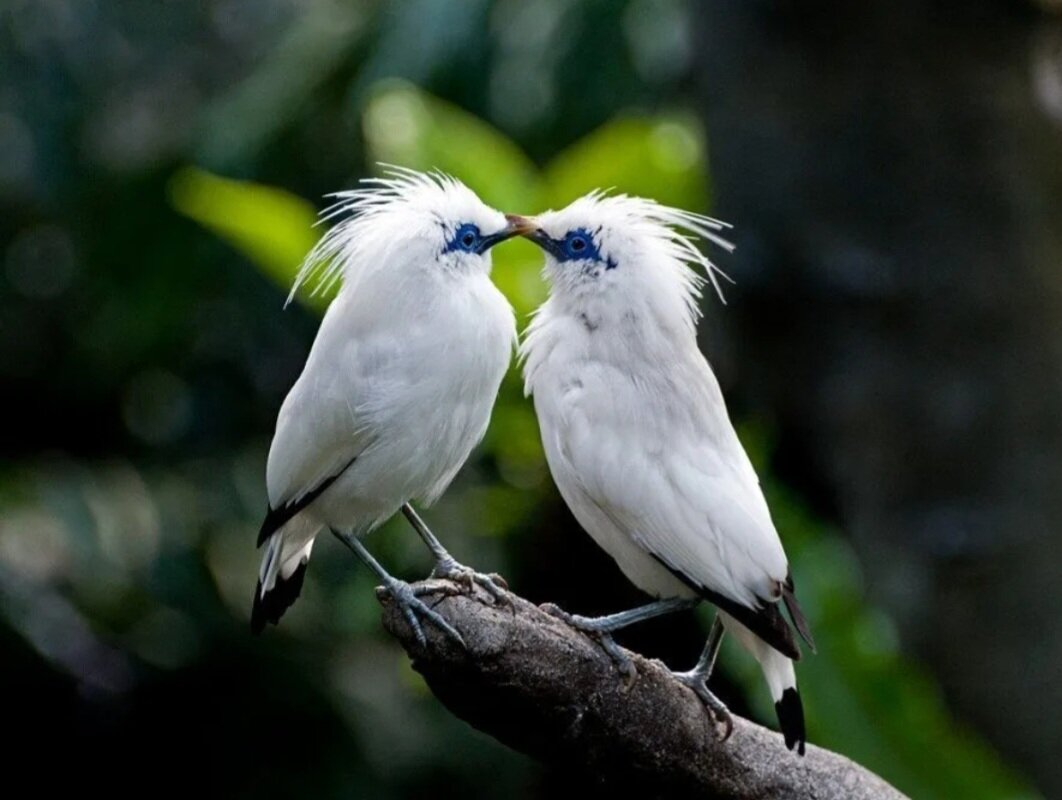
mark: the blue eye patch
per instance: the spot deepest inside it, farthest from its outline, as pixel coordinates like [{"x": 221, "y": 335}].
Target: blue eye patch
[
  {"x": 466, "y": 238},
  {"x": 577, "y": 245}
]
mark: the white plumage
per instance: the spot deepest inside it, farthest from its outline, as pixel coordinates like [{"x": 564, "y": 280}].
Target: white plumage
[
  {"x": 400, "y": 382},
  {"x": 635, "y": 428}
]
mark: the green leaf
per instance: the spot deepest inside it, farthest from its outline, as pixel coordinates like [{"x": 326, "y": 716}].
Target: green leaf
[
  {"x": 271, "y": 227},
  {"x": 403, "y": 125},
  {"x": 662, "y": 158}
]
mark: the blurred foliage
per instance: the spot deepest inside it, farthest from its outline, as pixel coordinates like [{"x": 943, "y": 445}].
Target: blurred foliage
[
  {"x": 274, "y": 228},
  {"x": 144, "y": 365},
  {"x": 861, "y": 696}
]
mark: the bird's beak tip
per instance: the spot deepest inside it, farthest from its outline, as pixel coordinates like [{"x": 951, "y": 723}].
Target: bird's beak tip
[{"x": 521, "y": 226}]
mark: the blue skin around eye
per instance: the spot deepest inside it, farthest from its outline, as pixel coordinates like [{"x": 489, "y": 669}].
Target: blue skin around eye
[
  {"x": 577, "y": 245},
  {"x": 466, "y": 239}
]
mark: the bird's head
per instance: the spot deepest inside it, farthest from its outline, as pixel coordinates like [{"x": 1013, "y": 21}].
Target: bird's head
[
  {"x": 622, "y": 250},
  {"x": 424, "y": 223}
]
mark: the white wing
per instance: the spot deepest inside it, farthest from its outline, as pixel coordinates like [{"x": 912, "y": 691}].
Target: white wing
[
  {"x": 688, "y": 509},
  {"x": 319, "y": 430},
  {"x": 668, "y": 470}
]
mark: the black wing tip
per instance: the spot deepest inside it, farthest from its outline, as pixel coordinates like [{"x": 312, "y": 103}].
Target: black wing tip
[
  {"x": 269, "y": 525},
  {"x": 271, "y": 606},
  {"x": 791, "y": 719},
  {"x": 767, "y": 622},
  {"x": 797, "y": 614},
  {"x": 277, "y": 518},
  {"x": 784, "y": 641}
]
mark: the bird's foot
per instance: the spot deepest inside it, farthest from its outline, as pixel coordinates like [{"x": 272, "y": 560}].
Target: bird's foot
[
  {"x": 493, "y": 584},
  {"x": 414, "y": 609},
  {"x": 697, "y": 680},
  {"x": 599, "y": 628}
]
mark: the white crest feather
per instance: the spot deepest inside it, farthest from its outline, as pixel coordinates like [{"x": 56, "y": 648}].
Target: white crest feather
[
  {"x": 678, "y": 230},
  {"x": 346, "y": 248}
]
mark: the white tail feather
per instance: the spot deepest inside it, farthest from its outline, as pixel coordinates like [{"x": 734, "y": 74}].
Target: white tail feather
[
  {"x": 285, "y": 550},
  {"x": 777, "y": 669}
]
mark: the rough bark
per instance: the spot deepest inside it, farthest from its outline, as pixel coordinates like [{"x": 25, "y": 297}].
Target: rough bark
[{"x": 544, "y": 689}]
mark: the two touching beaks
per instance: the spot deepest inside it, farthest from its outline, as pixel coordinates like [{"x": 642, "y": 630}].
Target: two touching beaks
[{"x": 520, "y": 225}]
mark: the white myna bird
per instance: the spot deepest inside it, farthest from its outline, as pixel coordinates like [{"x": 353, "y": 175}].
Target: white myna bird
[
  {"x": 639, "y": 441},
  {"x": 400, "y": 382}
]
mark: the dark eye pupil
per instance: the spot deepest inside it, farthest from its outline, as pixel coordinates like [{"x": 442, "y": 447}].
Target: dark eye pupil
[
  {"x": 578, "y": 244},
  {"x": 468, "y": 238}
]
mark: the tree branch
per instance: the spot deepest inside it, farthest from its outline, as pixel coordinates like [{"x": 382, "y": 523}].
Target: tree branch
[{"x": 549, "y": 691}]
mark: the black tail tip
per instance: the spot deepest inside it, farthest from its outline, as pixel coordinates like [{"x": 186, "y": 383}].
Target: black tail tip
[
  {"x": 271, "y": 606},
  {"x": 791, "y": 719}
]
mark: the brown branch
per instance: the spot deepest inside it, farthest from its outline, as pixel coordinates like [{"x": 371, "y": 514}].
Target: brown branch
[{"x": 547, "y": 690}]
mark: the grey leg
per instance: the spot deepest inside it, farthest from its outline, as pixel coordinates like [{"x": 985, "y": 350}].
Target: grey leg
[
  {"x": 404, "y": 595},
  {"x": 448, "y": 567},
  {"x": 602, "y": 628},
  {"x": 697, "y": 679}
]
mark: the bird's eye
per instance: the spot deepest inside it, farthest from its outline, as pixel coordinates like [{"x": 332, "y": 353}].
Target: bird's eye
[
  {"x": 466, "y": 238},
  {"x": 579, "y": 246}
]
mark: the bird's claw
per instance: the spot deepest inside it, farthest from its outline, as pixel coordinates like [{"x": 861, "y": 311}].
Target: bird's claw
[
  {"x": 493, "y": 583},
  {"x": 555, "y": 610},
  {"x": 622, "y": 661},
  {"x": 406, "y": 598},
  {"x": 728, "y": 726},
  {"x": 590, "y": 627},
  {"x": 698, "y": 683},
  {"x": 498, "y": 580}
]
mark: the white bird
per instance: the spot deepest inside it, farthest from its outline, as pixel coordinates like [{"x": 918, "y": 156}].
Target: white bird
[
  {"x": 638, "y": 439},
  {"x": 400, "y": 382}
]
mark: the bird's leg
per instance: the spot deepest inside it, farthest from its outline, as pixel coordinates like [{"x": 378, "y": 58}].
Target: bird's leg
[
  {"x": 446, "y": 566},
  {"x": 697, "y": 679},
  {"x": 404, "y": 595},
  {"x": 602, "y": 628}
]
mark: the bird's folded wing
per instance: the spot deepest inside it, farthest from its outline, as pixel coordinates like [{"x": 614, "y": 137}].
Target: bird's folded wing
[
  {"x": 687, "y": 507},
  {"x": 277, "y": 517},
  {"x": 318, "y": 436},
  {"x": 703, "y": 527}
]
